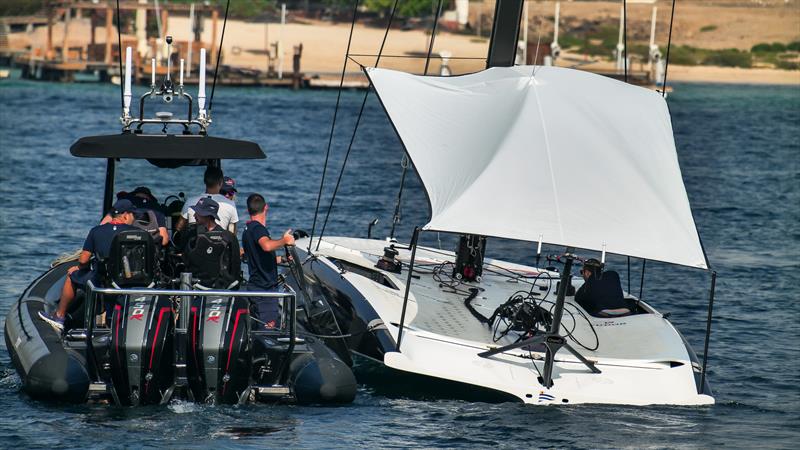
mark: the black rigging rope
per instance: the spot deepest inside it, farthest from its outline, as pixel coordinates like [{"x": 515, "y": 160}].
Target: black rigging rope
[
  {"x": 219, "y": 54},
  {"x": 433, "y": 36},
  {"x": 669, "y": 44},
  {"x": 121, "y": 75},
  {"x": 625, "y": 34},
  {"x": 355, "y": 129},
  {"x": 396, "y": 218},
  {"x": 333, "y": 124}
]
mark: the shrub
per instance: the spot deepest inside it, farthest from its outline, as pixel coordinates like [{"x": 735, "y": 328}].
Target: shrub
[
  {"x": 729, "y": 58},
  {"x": 775, "y": 47},
  {"x": 787, "y": 65},
  {"x": 708, "y": 28},
  {"x": 793, "y": 46},
  {"x": 685, "y": 55}
]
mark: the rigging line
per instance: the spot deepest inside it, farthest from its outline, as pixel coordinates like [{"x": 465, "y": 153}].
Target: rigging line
[
  {"x": 669, "y": 44},
  {"x": 625, "y": 34},
  {"x": 430, "y": 48},
  {"x": 219, "y": 54},
  {"x": 355, "y": 129},
  {"x": 333, "y": 123},
  {"x": 538, "y": 43},
  {"x": 405, "y": 162},
  {"x": 396, "y": 218},
  {"x": 475, "y": 58},
  {"x": 121, "y": 75}
]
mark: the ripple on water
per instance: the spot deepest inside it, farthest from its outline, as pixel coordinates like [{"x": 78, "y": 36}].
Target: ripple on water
[{"x": 738, "y": 148}]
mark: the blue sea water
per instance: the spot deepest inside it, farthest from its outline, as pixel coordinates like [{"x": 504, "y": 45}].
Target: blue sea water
[{"x": 739, "y": 148}]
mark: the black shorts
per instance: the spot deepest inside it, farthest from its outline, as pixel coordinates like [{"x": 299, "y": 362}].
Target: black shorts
[{"x": 82, "y": 276}]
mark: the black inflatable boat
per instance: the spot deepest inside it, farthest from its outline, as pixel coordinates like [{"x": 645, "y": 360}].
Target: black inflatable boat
[
  {"x": 158, "y": 344},
  {"x": 150, "y": 331}
]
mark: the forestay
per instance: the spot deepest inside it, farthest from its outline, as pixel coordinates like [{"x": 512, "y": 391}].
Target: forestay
[{"x": 576, "y": 158}]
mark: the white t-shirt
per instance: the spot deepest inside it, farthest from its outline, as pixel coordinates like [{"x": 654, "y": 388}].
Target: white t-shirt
[{"x": 227, "y": 210}]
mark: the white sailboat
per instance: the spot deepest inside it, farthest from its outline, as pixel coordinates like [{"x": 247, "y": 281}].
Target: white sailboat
[{"x": 545, "y": 155}]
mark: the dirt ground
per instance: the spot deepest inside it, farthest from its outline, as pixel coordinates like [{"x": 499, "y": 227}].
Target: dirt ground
[{"x": 729, "y": 24}]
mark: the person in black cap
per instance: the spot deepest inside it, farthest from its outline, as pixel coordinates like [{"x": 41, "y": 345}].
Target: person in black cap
[
  {"x": 147, "y": 215},
  {"x": 206, "y": 212},
  {"x": 601, "y": 294},
  {"x": 215, "y": 261},
  {"x": 97, "y": 244},
  {"x": 228, "y": 189}
]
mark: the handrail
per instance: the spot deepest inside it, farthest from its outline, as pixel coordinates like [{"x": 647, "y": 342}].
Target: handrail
[
  {"x": 92, "y": 292},
  {"x": 177, "y": 292}
]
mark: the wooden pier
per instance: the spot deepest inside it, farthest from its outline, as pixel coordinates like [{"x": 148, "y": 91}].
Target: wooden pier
[{"x": 98, "y": 60}]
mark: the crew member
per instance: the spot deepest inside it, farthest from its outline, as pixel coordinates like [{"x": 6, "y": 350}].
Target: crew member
[
  {"x": 601, "y": 293},
  {"x": 98, "y": 244},
  {"x": 228, "y": 189},
  {"x": 227, "y": 214},
  {"x": 259, "y": 248},
  {"x": 146, "y": 204},
  {"x": 209, "y": 262}
]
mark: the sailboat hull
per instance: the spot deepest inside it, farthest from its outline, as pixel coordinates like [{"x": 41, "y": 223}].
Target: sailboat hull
[{"x": 643, "y": 359}]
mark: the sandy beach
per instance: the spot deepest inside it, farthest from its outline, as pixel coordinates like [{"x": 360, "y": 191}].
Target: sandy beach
[{"x": 732, "y": 24}]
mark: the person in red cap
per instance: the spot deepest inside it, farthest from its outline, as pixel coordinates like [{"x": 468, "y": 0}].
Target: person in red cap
[
  {"x": 228, "y": 189},
  {"x": 97, "y": 244},
  {"x": 147, "y": 216}
]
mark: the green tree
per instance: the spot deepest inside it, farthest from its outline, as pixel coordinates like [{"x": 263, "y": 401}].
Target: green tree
[{"x": 405, "y": 8}]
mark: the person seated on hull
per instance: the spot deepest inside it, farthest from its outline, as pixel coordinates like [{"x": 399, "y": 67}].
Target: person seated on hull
[
  {"x": 98, "y": 246},
  {"x": 601, "y": 293},
  {"x": 259, "y": 249},
  {"x": 227, "y": 214},
  {"x": 147, "y": 216},
  {"x": 212, "y": 253}
]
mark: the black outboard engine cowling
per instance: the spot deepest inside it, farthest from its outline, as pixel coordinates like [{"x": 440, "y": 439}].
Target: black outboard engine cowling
[
  {"x": 142, "y": 349},
  {"x": 142, "y": 327},
  {"x": 219, "y": 352}
]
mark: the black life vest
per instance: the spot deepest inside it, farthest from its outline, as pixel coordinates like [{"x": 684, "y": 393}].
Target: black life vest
[
  {"x": 213, "y": 258},
  {"x": 146, "y": 220}
]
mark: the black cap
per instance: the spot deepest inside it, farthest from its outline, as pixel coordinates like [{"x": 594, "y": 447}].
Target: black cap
[
  {"x": 206, "y": 206},
  {"x": 593, "y": 265},
  {"x": 228, "y": 186},
  {"x": 122, "y": 206}
]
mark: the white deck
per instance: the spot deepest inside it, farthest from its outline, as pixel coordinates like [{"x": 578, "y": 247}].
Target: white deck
[{"x": 637, "y": 354}]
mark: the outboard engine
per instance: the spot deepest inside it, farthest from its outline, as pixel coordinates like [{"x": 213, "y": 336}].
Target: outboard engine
[
  {"x": 142, "y": 350},
  {"x": 142, "y": 327},
  {"x": 219, "y": 356}
]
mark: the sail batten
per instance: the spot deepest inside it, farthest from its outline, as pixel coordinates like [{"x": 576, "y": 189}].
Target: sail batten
[{"x": 580, "y": 159}]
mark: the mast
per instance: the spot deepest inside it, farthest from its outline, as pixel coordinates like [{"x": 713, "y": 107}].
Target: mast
[
  {"x": 502, "y": 53},
  {"x": 505, "y": 33}
]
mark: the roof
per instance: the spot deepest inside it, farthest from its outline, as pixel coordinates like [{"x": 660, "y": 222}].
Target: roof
[{"x": 165, "y": 147}]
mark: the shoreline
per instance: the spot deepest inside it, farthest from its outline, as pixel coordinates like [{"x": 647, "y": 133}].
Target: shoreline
[{"x": 733, "y": 75}]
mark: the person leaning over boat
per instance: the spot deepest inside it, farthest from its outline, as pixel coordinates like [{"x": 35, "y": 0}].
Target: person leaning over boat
[
  {"x": 262, "y": 262},
  {"x": 227, "y": 215},
  {"x": 97, "y": 244},
  {"x": 146, "y": 204},
  {"x": 601, "y": 293}
]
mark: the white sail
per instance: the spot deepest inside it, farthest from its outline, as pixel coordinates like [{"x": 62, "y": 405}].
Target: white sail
[{"x": 576, "y": 158}]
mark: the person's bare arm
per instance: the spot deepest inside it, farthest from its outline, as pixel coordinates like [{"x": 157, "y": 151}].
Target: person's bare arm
[
  {"x": 83, "y": 259},
  {"x": 181, "y": 223},
  {"x": 270, "y": 245},
  {"x": 162, "y": 231}
]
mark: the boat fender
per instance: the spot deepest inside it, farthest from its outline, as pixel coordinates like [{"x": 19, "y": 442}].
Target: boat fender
[{"x": 322, "y": 379}]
